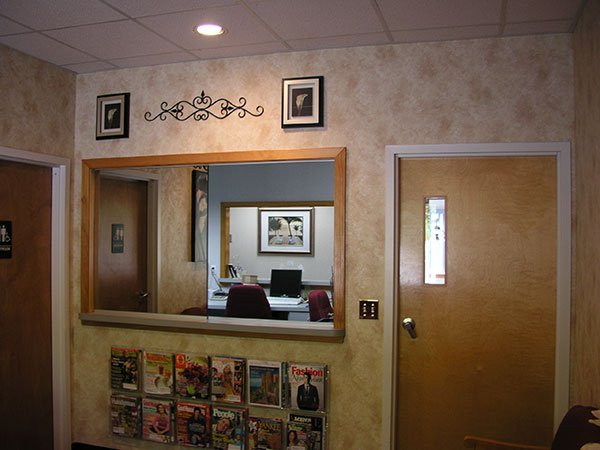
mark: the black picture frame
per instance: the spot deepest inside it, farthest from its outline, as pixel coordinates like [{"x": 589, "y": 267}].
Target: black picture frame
[
  {"x": 302, "y": 102},
  {"x": 112, "y": 116},
  {"x": 200, "y": 214}
]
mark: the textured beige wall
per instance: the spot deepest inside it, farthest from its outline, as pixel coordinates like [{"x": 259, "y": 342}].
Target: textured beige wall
[
  {"x": 182, "y": 282},
  {"x": 37, "y": 110},
  {"x": 586, "y": 302},
  {"x": 496, "y": 90}
]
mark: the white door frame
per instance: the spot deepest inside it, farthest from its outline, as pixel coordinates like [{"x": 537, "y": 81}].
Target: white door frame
[
  {"x": 61, "y": 349},
  {"x": 393, "y": 153}
]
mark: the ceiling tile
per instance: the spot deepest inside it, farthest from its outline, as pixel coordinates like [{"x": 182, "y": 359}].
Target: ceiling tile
[
  {"x": 142, "y": 8},
  {"x": 556, "y": 26},
  {"x": 538, "y": 10},
  {"x": 340, "y": 41},
  {"x": 114, "y": 40},
  {"x": 446, "y": 34},
  {"x": 298, "y": 19},
  {"x": 245, "y": 50},
  {"x": 9, "y": 27},
  {"x": 44, "y": 48},
  {"x": 45, "y": 14},
  {"x": 154, "y": 60},
  {"x": 419, "y": 14},
  {"x": 242, "y": 28},
  {"x": 96, "y": 66}
]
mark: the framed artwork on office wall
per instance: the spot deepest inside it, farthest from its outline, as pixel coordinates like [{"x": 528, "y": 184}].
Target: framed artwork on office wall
[
  {"x": 112, "y": 116},
  {"x": 302, "y": 102},
  {"x": 282, "y": 230}
]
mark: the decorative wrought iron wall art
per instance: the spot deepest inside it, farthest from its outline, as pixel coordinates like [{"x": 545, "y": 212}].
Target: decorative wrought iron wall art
[{"x": 201, "y": 108}]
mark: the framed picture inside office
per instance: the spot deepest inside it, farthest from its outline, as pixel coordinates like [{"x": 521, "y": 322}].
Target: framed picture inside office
[{"x": 286, "y": 230}]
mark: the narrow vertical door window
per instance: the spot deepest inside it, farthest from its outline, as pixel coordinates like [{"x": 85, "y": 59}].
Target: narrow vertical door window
[{"x": 435, "y": 240}]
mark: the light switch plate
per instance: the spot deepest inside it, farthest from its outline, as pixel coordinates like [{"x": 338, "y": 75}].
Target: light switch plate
[{"x": 368, "y": 309}]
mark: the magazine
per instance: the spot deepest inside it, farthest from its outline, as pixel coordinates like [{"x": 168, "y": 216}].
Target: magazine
[
  {"x": 157, "y": 420},
  {"x": 158, "y": 373},
  {"x": 228, "y": 426},
  {"x": 125, "y": 415},
  {"x": 264, "y": 383},
  {"x": 297, "y": 436},
  {"x": 306, "y": 386},
  {"x": 227, "y": 379},
  {"x": 193, "y": 424},
  {"x": 124, "y": 364},
  {"x": 264, "y": 433},
  {"x": 192, "y": 375},
  {"x": 317, "y": 426}
]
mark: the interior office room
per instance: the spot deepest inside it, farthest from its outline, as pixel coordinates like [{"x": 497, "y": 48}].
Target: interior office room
[{"x": 496, "y": 89}]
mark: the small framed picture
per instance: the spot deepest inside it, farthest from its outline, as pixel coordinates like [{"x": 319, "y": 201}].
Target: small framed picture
[
  {"x": 112, "y": 116},
  {"x": 302, "y": 102},
  {"x": 285, "y": 230}
]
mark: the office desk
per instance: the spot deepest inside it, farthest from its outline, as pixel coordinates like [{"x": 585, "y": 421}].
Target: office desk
[
  {"x": 283, "y": 307},
  {"x": 267, "y": 281}
]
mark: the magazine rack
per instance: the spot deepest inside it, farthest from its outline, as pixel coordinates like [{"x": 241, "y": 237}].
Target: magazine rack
[{"x": 197, "y": 400}]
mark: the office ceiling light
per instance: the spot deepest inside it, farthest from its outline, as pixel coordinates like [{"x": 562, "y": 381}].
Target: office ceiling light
[{"x": 210, "y": 29}]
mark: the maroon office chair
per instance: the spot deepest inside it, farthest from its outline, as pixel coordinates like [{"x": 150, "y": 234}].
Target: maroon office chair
[
  {"x": 248, "y": 301},
  {"x": 576, "y": 429},
  {"x": 194, "y": 311},
  {"x": 319, "y": 307}
]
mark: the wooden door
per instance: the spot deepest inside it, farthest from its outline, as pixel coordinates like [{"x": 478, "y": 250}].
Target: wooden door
[
  {"x": 483, "y": 360},
  {"x": 121, "y": 278},
  {"x": 25, "y": 308}
]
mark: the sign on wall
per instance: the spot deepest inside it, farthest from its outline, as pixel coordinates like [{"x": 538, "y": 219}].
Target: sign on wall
[
  {"x": 118, "y": 237},
  {"x": 5, "y": 239}
]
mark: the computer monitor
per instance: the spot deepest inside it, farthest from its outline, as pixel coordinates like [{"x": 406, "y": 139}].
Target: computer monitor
[{"x": 286, "y": 283}]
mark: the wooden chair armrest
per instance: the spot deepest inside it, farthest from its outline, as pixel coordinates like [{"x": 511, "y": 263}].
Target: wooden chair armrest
[{"x": 480, "y": 443}]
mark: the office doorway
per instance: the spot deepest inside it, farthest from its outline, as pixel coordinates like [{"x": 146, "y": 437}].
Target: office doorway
[
  {"x": 127, "y": 241},
  {"x": 34, "y": 292},
  {"x": 121, "y": 278},
  {"x": 457, "y": 377}
]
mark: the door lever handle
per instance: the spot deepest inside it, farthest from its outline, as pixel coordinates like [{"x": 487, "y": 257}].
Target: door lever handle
[{"x": 409, "y": 325}]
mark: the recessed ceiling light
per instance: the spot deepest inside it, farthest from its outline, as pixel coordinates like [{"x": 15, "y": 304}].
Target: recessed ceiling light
[{"x": 210, "y": 29}]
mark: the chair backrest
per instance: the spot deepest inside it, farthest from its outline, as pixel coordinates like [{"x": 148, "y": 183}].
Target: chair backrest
[
  {"x": 194, "y": 311},
  {"x": 248, "y": 301},
  {"x": 577, "y": 428},
  {"x": 319, "y": 307}
]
